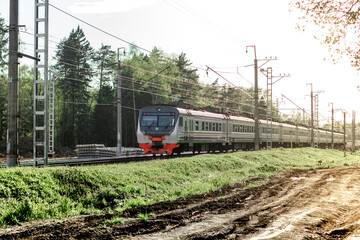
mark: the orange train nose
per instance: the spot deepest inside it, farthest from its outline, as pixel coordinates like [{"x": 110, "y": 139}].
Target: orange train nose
[{"x": 157, "y": 146}]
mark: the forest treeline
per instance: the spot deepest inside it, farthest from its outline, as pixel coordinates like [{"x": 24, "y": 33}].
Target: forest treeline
[{"x": 86, "y": 90}]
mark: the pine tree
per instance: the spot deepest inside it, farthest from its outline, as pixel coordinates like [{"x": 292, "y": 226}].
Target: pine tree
[
  {"x": 73, "y": 62},
  {"x": 188, "y": 75},
  {"x": 105, "y": 110},
  {"x": 105, "y": 116}
]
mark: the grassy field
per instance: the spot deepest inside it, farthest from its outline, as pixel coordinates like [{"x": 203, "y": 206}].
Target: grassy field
[{"x": 57, "y": 192}]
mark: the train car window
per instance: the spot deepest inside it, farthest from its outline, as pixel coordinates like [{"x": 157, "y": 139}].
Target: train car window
[
  {"x": 148, "y": 121},
  {"x": 207, "y": 126},
  {"x": 166, "y": 121},
  {"x": 197, "y": 125},
  {"x": 202, "y": 126},
  {"x": 217, "y": 127},
  {"x": 191, "y": 125},
  {"x": 214, "y": 127},
  {"x": 181, "y": 121},
  {"x": 186, "y": 125},
  {"x": 235, "y": 128},
  {"x": 220, "y": 127}
]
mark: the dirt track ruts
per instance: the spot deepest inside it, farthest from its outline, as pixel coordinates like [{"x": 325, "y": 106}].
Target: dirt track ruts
[{"x": 299, "y": 204}]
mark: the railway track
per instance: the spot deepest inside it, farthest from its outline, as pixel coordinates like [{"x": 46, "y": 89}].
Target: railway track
[{"x": 100, "y": 161}]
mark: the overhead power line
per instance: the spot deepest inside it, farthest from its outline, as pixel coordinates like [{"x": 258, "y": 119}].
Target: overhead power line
[
  {"x": 99, "y": 29},
  {"x": 230, "y": 82}
]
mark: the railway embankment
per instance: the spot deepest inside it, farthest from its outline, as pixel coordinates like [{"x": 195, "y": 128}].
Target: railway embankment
[{"x": 29, "y": 193}]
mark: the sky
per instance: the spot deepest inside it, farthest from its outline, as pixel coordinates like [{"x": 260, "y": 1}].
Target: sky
[{"x": 215, "y": 34}]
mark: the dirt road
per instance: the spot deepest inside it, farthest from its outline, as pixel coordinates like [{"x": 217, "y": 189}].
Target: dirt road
[{"x": 313, "y": 204}]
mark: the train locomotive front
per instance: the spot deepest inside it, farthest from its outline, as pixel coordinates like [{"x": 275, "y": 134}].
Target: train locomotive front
[{"x": 157, "y": 129}]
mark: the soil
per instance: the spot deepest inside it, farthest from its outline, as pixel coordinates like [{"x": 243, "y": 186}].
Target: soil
[{"x": 299, "y": 204}]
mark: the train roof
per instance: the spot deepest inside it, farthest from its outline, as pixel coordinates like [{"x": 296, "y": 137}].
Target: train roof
[{"x": 203, "y": 113}]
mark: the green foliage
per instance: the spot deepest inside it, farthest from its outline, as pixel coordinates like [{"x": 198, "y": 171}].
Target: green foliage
[
  {"x": 73, "y": 62},
  {"x": 26, "y": 86},
  {"x": 3, "y": 45},
  {"x": 3, "y": 78},
  {"x": 105, "y": 116},
  {"x": 115, "y": 220},
  {"x": 337, "y": 25},
  {"x": 143, "y": 216}
]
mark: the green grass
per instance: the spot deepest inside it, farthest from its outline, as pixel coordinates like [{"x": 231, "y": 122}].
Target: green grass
[
  {"x": 142, "y": 216},
  {"x": 59, "y": 192},
  {"x": 115, "y": 220}
]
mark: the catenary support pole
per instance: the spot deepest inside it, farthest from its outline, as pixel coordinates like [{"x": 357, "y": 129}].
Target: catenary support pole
[
  {"x": 353, "y": 131},
  {"x": 12, "y": 114},
  {"x": 134, "y": 112},
  {"x": 256, "y": 99},
  {"x": 312, "y": 116},
  {"x": 344, "y": 134},
  {"x": 119, "y": 138},
  {"x": 332, "y": 126},
  {"x": 256, "y": 112}
]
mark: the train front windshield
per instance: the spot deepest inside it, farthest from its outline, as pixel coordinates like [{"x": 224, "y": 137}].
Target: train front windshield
[
  {"x": 148, "y": 121},
  {"x": 166, "y": 121},
  {"x": 157, "y": 121}
]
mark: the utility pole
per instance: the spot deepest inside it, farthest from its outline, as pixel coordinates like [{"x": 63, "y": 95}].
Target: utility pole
[
  {"x": 312, "y": 116},
  {"x": 12, "y": 114},
  {"x": 353, "y": 131},
  {"x": 41, "y": 80},
  {"x": 134, "y": 112},
  {"x": 256, "y": 98},
  {"x": 344, "y": 133},
  {"x": 332, "y": 125},
  {"x": 316, "y": 118},
  {"x": 269, "y": 103},
  {"x": 119, "y": 123}
]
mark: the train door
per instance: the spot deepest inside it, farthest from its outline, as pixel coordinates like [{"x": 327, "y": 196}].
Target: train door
[
  {"x": 191, "y": 131},
  {"x": 297, "y": 133},
  {"x": 225, "y": 130},
  {"x": 186, "y": 128}
]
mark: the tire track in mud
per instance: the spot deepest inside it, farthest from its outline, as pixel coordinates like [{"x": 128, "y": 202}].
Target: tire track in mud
[
  {"x": 298, "y": 204},
  {"x": 318, "y": 204}
]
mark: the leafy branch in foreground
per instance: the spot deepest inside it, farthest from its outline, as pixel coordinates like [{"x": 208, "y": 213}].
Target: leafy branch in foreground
[{"x": 338, "y": 22}]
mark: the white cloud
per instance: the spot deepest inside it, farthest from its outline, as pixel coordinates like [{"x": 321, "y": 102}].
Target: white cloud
[{"x": 108, "y": 6}]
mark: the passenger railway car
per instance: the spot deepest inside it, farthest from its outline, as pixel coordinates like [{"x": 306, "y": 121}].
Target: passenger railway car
[{"x": 164, "y": 129}]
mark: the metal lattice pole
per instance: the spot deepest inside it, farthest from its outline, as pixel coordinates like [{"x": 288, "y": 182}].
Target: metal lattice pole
[
  {"x": 40, "y": 138},
  {"x": 269, "y": 108},
  {"x": 316, "y": 103},
  {"x": 51, "y": 114}
]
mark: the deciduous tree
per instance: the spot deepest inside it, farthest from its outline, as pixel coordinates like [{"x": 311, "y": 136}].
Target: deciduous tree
[{"x": 337, "y": 22}]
